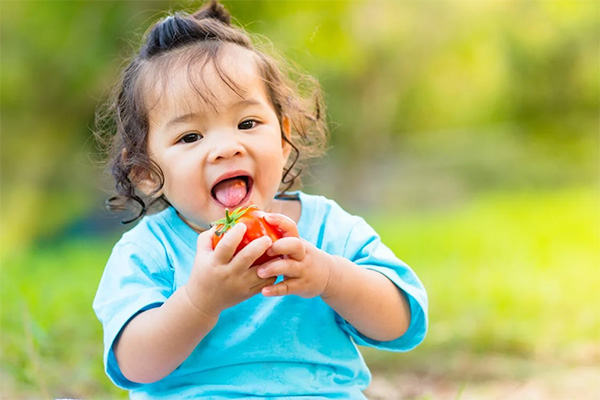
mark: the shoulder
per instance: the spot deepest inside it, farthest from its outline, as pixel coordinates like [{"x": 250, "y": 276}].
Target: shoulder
[
  {"x": 325, "y": 223},
  {"x": 322, "y": 210},
  {"x": 153, "y": 236}
]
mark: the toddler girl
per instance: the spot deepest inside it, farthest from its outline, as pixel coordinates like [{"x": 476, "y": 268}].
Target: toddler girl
[{"x": 202, "y": 122}]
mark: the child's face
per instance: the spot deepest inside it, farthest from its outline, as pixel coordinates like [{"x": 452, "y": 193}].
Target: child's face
[{"x": 217, "y": 157}]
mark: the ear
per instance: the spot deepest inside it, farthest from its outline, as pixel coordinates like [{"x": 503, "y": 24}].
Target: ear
[
  {"x": 143, "y": 179},
  {"x": 146, "y": 182},
  {"x": 286, "y": 131}
]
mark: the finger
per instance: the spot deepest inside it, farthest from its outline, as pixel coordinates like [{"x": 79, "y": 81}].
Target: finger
[
  {"x": 288, "y": 268},
  {"x": 228, "y": 245},
  {"x": 286, "y": 224},
  {"x": 288, "y": 246},
  {"x": 288, "y": 286},
  {"x": 253, "y": 250},
  {"x": 204, "y": 241},
  {"x": 262, "y": 284}
]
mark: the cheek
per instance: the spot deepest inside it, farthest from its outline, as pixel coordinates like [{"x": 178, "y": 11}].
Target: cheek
[
  {"x": 275, "y": 171},
  {"x": 179, "y": 174}
]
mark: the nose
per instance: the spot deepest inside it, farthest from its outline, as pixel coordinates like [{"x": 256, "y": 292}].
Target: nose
[{"x": 225, "y": 146}]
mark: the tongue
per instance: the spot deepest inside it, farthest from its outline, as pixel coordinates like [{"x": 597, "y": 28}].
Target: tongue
[{"x": 231, "y": 192}]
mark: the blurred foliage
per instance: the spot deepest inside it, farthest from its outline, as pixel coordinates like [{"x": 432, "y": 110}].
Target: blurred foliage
[
  {"x": 472, "y": 124},
  {"x": 456, "y": 95}
]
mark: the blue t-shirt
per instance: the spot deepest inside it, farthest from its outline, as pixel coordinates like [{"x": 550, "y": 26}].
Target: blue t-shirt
[{"x": 265, "y": 347}]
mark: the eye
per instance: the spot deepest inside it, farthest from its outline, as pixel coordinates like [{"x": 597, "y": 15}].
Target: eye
[
  {"x": 248, "y": 124},
  {"x": 190, "y": 138}
]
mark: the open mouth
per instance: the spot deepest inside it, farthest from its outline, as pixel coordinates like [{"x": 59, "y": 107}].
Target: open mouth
[{"x": 232, "y": 191}]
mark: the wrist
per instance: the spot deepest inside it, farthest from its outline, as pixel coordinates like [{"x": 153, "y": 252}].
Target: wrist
[
  {"x": 333, "y": 278},
  {"x": 201, "y": 307}
]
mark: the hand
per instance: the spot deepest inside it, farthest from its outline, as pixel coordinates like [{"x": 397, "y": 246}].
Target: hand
[
  {"x": 306, "y": 269},
  {"x": 220, "y": 279}
]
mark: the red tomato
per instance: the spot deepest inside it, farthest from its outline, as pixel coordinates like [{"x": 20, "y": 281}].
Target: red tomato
[{"x": 254, "y": 219}]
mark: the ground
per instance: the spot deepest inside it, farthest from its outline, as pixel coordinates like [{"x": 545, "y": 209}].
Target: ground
[
  {"x": 489, "y": 379},
  {"x": 579, "y": 383}
]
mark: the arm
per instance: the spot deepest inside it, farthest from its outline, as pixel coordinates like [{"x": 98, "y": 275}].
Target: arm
[
  {"x": 157, "y": 341},
  {"x": 365, "y": 298},
  {"x": 368, "y": 300}
]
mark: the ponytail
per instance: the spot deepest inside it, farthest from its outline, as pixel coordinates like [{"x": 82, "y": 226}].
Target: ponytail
[{"x": 211, "y": 22}]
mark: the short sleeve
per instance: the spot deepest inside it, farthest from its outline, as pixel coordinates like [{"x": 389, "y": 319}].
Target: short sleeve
[
  {"x": 364, "y": 248},
  {"x": 134, "y": 280}
]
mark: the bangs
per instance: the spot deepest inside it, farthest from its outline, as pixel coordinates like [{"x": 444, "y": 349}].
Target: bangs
[{"x": 156, "y": 84}]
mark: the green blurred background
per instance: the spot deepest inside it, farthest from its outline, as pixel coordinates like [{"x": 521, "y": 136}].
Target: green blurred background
[{"x": 466, "y": 133}]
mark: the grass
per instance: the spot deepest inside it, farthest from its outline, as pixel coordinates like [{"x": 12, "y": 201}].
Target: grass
[{"x": 512, "y": 274}]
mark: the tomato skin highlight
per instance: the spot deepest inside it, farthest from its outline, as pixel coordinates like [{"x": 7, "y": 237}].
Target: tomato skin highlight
[{"x": 256, "y": 225}]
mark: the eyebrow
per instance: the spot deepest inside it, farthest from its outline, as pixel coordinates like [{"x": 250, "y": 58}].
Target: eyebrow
[
  {"x": 190, "y": 116},
  {"x": 180, "y": 119}
]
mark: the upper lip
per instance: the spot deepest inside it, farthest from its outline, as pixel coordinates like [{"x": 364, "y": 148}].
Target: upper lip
[{"x": 230, "y": 174}]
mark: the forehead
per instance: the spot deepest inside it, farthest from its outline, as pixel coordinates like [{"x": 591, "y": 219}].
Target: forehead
[{"x": 197, "y": 80}]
